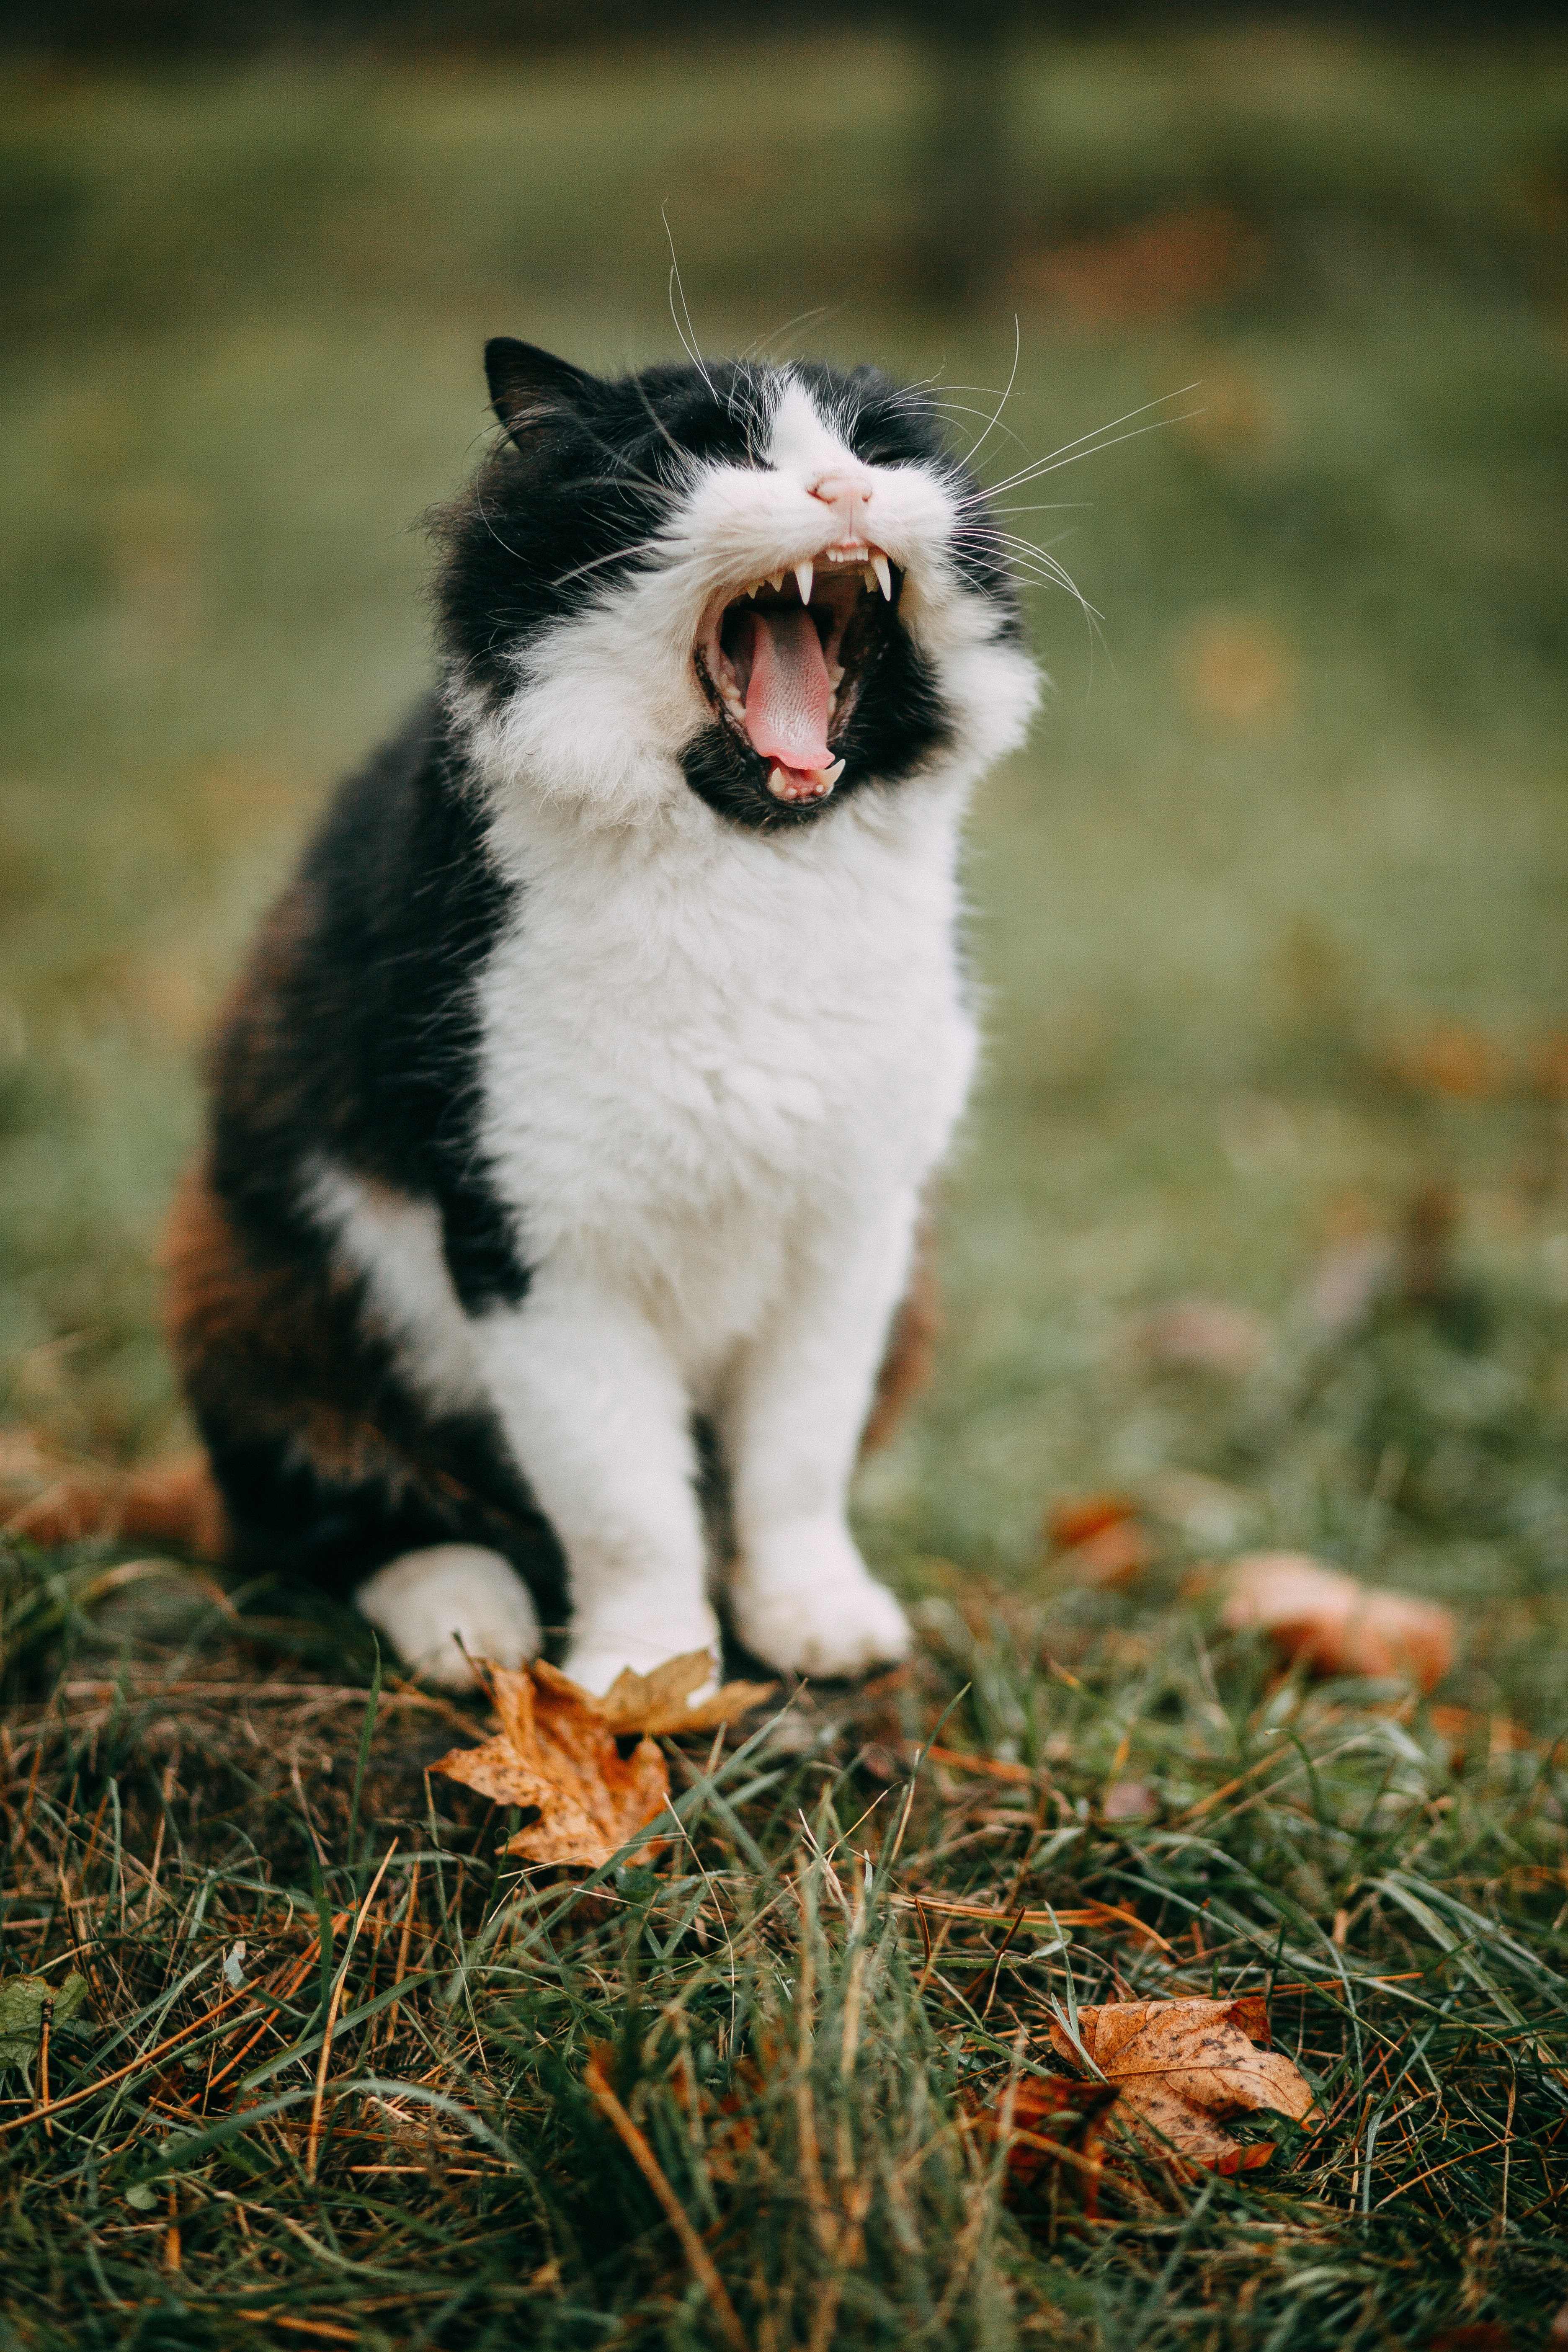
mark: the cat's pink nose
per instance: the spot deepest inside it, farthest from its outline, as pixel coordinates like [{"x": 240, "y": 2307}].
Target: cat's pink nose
[{"x": 849, "y": 495}]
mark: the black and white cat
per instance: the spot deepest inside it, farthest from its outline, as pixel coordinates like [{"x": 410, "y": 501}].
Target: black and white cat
[{"x": 581, "y": 1090}]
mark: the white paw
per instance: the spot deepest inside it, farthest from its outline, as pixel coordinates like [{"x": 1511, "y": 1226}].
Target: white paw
[
  {"x": 807, "y": 1605},
  {"x": 433, "y": 1605},
  {"x": 603, "y": 1644}
]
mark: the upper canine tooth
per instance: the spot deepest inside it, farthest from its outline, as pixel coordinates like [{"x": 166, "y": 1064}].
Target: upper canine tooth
[
  {"x": 802, "y": 573},
  {"x": 883, "y": 571},
  {"x": 869, "y": 577}
]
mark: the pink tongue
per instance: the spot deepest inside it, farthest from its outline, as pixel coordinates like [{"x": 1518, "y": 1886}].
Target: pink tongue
[{"x": 788, "y": 694}]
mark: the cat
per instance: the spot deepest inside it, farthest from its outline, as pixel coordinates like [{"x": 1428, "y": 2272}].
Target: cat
[{"x": 570, "y": 1122}]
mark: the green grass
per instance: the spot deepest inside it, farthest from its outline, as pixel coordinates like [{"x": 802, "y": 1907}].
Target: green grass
[{"x": 1268, "y": 920}]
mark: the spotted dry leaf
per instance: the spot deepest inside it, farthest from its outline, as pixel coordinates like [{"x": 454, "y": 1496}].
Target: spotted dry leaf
[
  {"x": 661, "y": 1702},
  {"x": 556, "y": 1754},
  {"x": 1185, "y": 2068}
]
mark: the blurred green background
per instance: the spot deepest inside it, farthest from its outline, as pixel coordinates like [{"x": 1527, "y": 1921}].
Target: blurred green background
[{"x": 1270, "y": 916}]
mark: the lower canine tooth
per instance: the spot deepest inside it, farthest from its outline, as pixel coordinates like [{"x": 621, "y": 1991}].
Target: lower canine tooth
[
  {"x": 830, "y": 776},
  {"x": 883, "y": 571}
]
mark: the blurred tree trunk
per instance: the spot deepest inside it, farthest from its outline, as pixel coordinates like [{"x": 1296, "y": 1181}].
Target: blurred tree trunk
[{"x": 966, "y": 199}]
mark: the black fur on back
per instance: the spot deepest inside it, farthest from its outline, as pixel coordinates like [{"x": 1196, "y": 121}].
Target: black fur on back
[
  {"x": 353, "y": 1037},
  {"x": 358, "y": 1041}
]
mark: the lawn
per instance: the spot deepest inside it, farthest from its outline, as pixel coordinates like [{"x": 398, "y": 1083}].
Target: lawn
[{"x": 1268, "y": 922}]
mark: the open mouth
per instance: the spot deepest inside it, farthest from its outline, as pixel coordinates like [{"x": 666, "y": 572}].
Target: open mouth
[{"x": 783, "y": 661}]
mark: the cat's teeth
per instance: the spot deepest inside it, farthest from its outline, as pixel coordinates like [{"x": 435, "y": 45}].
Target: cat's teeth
[
  {"x": 814, "y": 785},
  {"x": 803, "y": 574},
  {"x": 869, "y": 578},
  {"x": 775, "y": 580},
  {"x": 835, "y": 675},
  {"x": 883, "y": 571}
]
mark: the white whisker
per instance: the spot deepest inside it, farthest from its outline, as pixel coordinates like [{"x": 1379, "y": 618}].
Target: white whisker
[
  {"x": 1001, "y": 404},
  {"x": 1058, "y": 457},
  {"x": 688, "y": 339}
]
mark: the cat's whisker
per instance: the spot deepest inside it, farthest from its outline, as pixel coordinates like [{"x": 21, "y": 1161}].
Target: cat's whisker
[
  {"x": 1059, "y": 456},
  {"x": 688, "y": 339},
  {"x": 1017, "y": 352},
  {"x": 615, "y": 555}
]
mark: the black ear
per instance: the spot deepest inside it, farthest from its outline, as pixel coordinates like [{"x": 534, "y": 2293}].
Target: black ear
[{"x": 526, "y": 383}]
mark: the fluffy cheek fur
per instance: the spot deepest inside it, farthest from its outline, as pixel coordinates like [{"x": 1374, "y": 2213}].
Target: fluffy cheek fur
[{"x": 605, "y": 702}]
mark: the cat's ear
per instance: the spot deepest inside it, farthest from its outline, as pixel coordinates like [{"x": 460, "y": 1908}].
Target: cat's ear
[{"x": 528, "y": 385}]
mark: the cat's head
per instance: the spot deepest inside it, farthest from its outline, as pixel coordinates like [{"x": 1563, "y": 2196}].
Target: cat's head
[{"x": 773, "y": 587}]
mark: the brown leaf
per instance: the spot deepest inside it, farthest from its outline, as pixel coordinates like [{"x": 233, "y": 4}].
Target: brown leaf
[
  {"x": 660, "y": 1704},
  {"x": 555, "y": 1753},
  {"x": 1077, "y": 1519},
  {"x": 1185, "y": 2067},
  {"x": 1101, "y": 1536},
  {"x": 1333, "y": 1624},
  {"x": 1054, "y": 2127}
]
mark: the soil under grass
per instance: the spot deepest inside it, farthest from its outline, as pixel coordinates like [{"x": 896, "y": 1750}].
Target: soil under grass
[{"x": 1268, "y": 921}]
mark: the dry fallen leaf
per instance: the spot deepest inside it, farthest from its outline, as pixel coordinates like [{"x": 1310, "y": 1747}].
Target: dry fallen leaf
[
  {"x": 556, "y": 1752},
  {"x": 1056, "y": 2125},
  {"x": 660, "y": 1704},
  {"x": 1334, "y": 1625},
  {"x": 1077, "y": 1519},
  {"x": 1100, "y": 1537},
  {"x": 1183, "y": 2068}
]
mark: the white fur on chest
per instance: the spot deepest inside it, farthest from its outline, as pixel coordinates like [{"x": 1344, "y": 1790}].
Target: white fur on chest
[{"x": 701, "y": 1046}]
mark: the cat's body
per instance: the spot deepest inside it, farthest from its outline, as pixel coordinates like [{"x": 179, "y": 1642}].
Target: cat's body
[{"x": 584, "y": 1085}]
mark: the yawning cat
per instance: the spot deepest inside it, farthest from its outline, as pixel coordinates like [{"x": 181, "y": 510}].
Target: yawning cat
[{"x": 570, "y": 1122}]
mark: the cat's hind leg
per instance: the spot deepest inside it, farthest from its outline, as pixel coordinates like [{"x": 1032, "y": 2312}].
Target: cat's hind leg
[{"x": 448, "y": 1603}]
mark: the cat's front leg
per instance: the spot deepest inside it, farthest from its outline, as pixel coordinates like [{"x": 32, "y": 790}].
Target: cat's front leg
[
  {"x": 802, "y": 1596},
  {"x": 598, "y": 1417}
]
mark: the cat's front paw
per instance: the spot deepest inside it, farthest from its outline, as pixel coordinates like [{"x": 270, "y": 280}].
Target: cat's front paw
[
  {"x": 601, "y": 1649},
  {"x": 807, "y": 1605},
  {"x": 441, "y": 1607}
]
